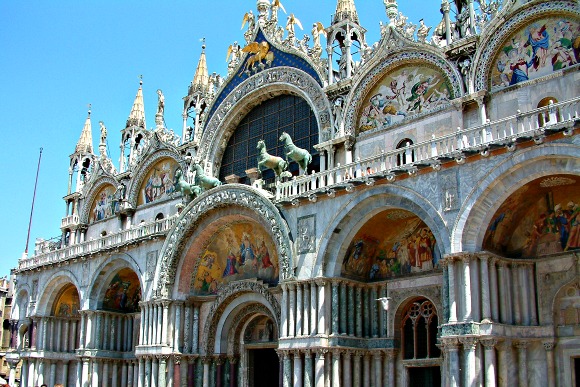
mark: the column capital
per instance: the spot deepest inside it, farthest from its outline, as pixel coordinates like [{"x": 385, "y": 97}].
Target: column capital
[
  {"x": 468, "y": 343},
  {"x": 307, "y": 354},
  {"x": 320, "y": 281},
  {"x": 521, "y": 345},
  {"x": 391, "y": 353},
  {"x": 163, "y": 358},
  {"x": 450, "y": 344},
  {"x": 177, "y": 359},
  {"x": 489, "y": 343},
  {"x": 347, "y": 354},
  {"x": 549, "y": 345},
  {"x": 321, "y": 352},
  {"x": 233, "y": 359}
]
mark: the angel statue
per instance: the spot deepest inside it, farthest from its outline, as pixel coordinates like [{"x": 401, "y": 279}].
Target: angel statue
[
  {"x": 233, "y": 56},
  {"x": 274, "y": 11},
  {"x": 291, "y": 21},
  {"x": 317, "y": 30},
  {"x": 160, "y": 102},
  {"x": 249, "y": 18},
  {"x": 103, "y": 132}
]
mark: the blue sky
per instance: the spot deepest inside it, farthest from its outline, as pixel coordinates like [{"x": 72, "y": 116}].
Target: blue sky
[{"x": 59, "y": 56}]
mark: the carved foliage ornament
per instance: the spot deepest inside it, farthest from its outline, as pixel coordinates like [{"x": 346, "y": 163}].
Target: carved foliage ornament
[
  {"x": 304, "y": 84},
  {"x": 227, "y": 195}
]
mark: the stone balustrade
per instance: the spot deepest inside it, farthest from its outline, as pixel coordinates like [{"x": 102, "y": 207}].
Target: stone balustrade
[
  {"x": 503, "y": 132},
  {"x": 111, "y": 241}
]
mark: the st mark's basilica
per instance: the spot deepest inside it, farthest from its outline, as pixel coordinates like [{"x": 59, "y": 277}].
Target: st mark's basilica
[{"x": 333, "y": 212}]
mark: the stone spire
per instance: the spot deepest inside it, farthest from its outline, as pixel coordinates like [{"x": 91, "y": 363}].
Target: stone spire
[
  {"x": 137, "y": 115},
  {"x": 345, "y": 9},
  {"x": 85, "y": 143},
  {"x": 201, "y": 77}
]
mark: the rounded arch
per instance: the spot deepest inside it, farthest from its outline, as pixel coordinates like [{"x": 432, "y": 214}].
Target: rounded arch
[
  {"x": 250, "y": 93},
  {"x": 94, "y": 190},
  {"x": 248, "y": 316},
  {"x": 482, "y": 202},
  {"x": 228, "y": 306},
  {"x": 52, "y": 289},
  {"x": 230, "y": 195},
  {"x": 19, "y": 309},
  {"x": 144, "y": 168},
  {"x": 495, "y": 35},
  {"x": 104, "y": 274},
  {"x": 565, "y": 305},
  {"x": 380, "y": 67},
  {"x": 369, "y": 203},
  {"x": 411, "y": 308}
]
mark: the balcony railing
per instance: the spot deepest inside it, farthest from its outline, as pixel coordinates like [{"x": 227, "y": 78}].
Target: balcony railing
[
  {"x": 68, "y": 221},
  {"x": 111, "y": 241},
  {"x": 506, "y": 131}
]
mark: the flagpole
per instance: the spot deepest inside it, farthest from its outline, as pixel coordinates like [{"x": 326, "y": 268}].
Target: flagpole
[{"x": 32, "y": 207}]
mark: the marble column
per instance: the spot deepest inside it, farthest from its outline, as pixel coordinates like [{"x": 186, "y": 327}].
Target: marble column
[
  {"x": 233, "y": 371},
  {"x": 522, "y": 347},
  {"x": 357, "y": 368},
  {"x": 287, "y": 364},
  {"x": 40, "y": 372},
  {"x": 306, "y": 310},
  {"x": 142, "y": 370},
  {"x": 176, "y": 371},
  {"x": 308, "y": 370},
  {"x": 525, "y": 293},
  {"x": 154, "y": 374},
  {"x": 343, "y": 309},
  {"x": 321, "y": 308},
  {"x": 32, "y": 373},
  {"x": 503, "y": 359},
  {"x": 494, "y": 290},
  {"x": 336, "y": 368},
  {"x": 313, "y": 308},
  {"x": 467, "y": 313},
  {"x": 195, "y": 329},
  {"x": 377, "y": 368},
  {"x": 469, "y": 344},
  {"x": 517, "y": 294},
  {"x": 298, "y": 369},
  {"x": 346, "y": 369},
  {"x": 550, "y": 364},
  {"x": 12, "y": 373},
  {"x": 351, "y": 309},
  {"x": 367, "y": 369},
  {"x": 292, "y": 310},
  {"x": 490, "y": 362},
  {"x": 335, "y": 308},
  {"x": 24, "y": 374},
  {"x": 85, "y": 372},
  {"x": 187, "y": 329},
  {"x": 319, "y": 371},
  {"x": 95, "y": 376},
  {"x": 373, "y": 311},
  {"x": 390, "y": 358},
  {"x": 52, "y": 373},
  {"x": 98, "y": 331},
  {"x": 299, "y": 308},
  {"x": 284, "y": 311},
  {"x": 206, "y": 361},
  {"x": 105, "y": 374},
  {"x": 532, "y": 295},
  {"x": 115, "y": 374},
  {"x": 452, "y": 348},
  {"x": 503, "y": 293},
  {"x": 359, "y": 312},
  {"x": 452, "y": 299},
  {"x": 485, "y": 296},
  {"x": 162, "y": 369},
  {"x": 165, "y": 324}
]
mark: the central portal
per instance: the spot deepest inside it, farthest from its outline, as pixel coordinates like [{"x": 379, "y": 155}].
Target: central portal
[{"x": 264, "y": 367}]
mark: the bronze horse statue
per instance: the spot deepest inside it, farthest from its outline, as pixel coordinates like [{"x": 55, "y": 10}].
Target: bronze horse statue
[
  {"x": 205, "y": 182},
  {"x": 265, "y": 160},
  {"x": 189, "y": 191},
  {"x": 301, "y": 156}
]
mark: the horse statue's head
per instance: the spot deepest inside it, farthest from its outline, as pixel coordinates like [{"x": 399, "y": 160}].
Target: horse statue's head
[
  {"x": 284, "y": 137},
  {"x": 261, "y": 145}
]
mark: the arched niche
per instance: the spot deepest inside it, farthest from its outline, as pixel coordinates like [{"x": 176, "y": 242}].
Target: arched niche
[
  {"x": 123, "y": 292},
  {"x": 104, "y": 204},
  {"x": 507, "y": 43},
  {"x": 237, "y": 250},
  {"x": 403, "y": 91},
  {"x": 540, "y": 218},
  {"x": 157, "y": 184},
  {"x": 392, "y": 243},
  {"x": 67, "y": 303}
]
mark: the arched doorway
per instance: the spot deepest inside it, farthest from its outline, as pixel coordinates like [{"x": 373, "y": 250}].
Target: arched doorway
[
  {"x": 260, "y": 346},
  {"x": 548, "y": 117},
  {"x": 408, "y": 156}
]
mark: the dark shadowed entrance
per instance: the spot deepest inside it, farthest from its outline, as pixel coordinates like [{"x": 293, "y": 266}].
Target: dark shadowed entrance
[
  {"x": 264, "y": 367},
  {"x": 424, "y": 376}
]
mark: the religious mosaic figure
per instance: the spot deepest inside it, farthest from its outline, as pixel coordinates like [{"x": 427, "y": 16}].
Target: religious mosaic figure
[
  {"x": 536, "y": 50},
  {"x": 402, "y": 93}
]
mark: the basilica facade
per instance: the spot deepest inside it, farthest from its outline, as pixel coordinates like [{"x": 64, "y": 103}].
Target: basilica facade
[{"x": 403, "y": 213}]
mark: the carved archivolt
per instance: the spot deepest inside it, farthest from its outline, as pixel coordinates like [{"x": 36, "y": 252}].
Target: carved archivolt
[
  {"x": 407, "y": 58},
  {"x": 90, "y": 198},
  {"x": 227, "y": 296},
  {"x": 263, "y": 85},
  {"x": 242, "y": 317},
  {"x": 513, "y": 23},
  {"x": 143, "y": 169},
  {"x": 223, "y": 196},
  {"x": 400, "y": 298}
]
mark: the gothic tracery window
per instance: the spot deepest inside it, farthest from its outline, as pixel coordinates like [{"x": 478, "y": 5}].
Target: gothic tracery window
[{"x": 419, "y": 331}]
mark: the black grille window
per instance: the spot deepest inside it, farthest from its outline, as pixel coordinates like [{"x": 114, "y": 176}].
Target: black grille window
[{"x": 286, "y": 113}]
